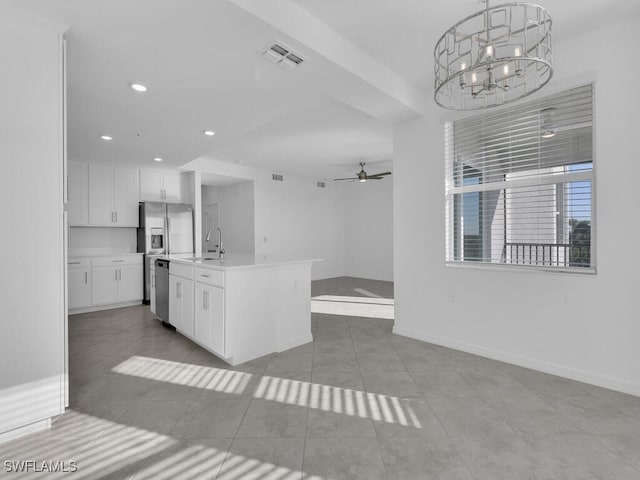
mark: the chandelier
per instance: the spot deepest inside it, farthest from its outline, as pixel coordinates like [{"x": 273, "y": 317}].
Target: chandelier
[{"x": 493, "y": 57}]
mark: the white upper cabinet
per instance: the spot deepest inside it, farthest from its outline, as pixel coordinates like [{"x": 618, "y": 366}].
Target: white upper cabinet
[
  {"x": 173, "y": 188},
  {"x": 158, "y": 186},
  {"x": 125, "y": 196},
  {"x": 78, "y": 193},
  {"x": 151, "y": 186},
  {"x": 113, "y": 194}
]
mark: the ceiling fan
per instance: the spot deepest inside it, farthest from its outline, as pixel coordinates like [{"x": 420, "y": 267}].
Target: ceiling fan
[{"x": 363, "y": 177}]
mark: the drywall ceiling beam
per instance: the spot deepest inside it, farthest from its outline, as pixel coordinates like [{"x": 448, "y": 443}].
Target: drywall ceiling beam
[{"x": 296, "y": 22}]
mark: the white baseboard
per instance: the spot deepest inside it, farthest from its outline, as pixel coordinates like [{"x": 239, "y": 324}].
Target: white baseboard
[
  {"x": 617, "y": 384},
  {"x": 25, "y": 430},
  {"x": 98, "y": 308},
  {"x": 296, "y": 342}
]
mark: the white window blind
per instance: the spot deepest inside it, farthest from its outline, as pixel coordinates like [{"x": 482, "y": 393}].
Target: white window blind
[{"x": 519, "y": 185}]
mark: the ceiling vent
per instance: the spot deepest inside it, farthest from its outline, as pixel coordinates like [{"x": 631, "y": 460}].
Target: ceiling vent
[
  {"x": 277, "y": 177},
  {"x": 283, "y": 56},
  {"x": 320, "y": 184}
]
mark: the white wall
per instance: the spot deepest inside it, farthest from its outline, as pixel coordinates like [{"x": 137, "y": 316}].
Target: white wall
[
  {"x": 293, "y": 218},
  {"x": 369, "y": 229},
  {"x": 32, "y": 317},
  {"x": 236, "y": 215},
  {"x": 581, "y": 326},
  {"x": 101, "y": 240}
]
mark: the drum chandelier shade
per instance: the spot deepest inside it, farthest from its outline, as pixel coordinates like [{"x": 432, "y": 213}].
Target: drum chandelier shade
[{"x": 496, "y": 56}]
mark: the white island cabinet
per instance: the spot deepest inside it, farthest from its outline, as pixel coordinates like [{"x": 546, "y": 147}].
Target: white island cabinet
[{"x": 243, "y": 307}]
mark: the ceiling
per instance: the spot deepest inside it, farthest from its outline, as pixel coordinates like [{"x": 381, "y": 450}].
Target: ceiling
[{"x": 367, "y": 66}]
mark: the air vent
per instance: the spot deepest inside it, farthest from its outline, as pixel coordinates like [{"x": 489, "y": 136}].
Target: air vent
[
  {"x": 283, "y": 56},
  {"x": 320, "y": 184},
  {"x": 277, "y": 177}
]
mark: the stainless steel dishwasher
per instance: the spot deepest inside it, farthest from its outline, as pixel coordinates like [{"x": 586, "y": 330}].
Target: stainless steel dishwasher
[{"x": 162, "y": 291}]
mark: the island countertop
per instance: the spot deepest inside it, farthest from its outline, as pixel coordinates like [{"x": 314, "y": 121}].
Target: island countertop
[{"x": 238, "y": 260}]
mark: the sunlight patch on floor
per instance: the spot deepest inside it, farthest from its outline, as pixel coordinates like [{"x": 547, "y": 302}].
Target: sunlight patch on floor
[
  {"x": 186, "y": 374},
  {"x": 380, "y": 408},
  {"x": 367, "y": 293}
]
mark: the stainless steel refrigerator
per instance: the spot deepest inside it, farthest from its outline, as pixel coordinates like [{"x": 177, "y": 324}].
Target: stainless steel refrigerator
[{"x": 165, "y": 229}]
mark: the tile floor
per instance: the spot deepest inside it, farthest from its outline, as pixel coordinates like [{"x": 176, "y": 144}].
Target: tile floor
[{"x": 357, "y": 403}]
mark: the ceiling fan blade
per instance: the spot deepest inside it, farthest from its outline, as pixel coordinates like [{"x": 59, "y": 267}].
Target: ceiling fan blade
[
  {"x": 382, "y": 174},
  {"x": 350, "y": 178},
  {"x": 375, "y": 178}
]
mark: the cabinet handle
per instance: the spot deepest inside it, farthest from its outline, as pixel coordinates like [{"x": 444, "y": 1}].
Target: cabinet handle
[
  {"x": 205, "y": 275},
  {"x": 116, "y": 261},
  {"x": 205, "y": 300},
  {"x": 86, "y": 277},
  {"x": 116, "y": 217},
  {"x": 116, "y": 272},
  {"x": 74, "y": 263}
]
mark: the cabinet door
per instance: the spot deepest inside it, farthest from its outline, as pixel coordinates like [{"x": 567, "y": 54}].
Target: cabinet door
[
  {"x": 209, "y": 317},
  {"x": 100, "y": 195},
  {"x": 216, "y": 307},
  {"x": 151, "y": 186},
  {"x": 130, "y": 281},
  {"x": 175, "y": 302},
  {"x": 104, "y": 285},
  {"x": 79, "y": 288},
  {"x": 125, "y": 197},
  {"x": 187, "y": 307},
  {"x": 173, "y": 187},
  {"x": 78, "y": 193}
]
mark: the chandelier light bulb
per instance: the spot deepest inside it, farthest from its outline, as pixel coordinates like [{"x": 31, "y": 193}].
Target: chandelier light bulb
[
  {"x": 489, "y": 51},
  {"x": 517, "y": 52}
]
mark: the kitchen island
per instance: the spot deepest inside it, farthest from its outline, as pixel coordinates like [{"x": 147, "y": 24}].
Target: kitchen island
[{"x": 242, "y": 307}]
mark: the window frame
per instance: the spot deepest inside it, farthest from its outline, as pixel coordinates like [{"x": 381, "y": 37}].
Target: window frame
[{"x": 451, "y": 191}]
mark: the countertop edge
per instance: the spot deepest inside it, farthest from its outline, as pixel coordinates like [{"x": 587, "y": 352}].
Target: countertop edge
[{"x": 213, "y": 266}]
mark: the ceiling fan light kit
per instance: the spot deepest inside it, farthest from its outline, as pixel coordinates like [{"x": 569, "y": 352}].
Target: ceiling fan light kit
[
  {"x": 362, "y": 176},
  {"x": 496, "y": 56}
]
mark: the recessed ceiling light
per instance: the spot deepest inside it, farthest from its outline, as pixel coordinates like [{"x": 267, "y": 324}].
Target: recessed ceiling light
[
  {"x": 209, "y": 133},
  {"x": 138, "y": 87},
  {"x": 106, "y": 137},
  {"x": 157, "y": 159}
]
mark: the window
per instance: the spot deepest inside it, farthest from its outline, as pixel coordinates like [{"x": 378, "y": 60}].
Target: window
[{"x": 519, "y": 185}]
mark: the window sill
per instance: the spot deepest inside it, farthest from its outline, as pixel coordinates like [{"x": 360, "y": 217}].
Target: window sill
[{"x": 538, "y": 269}]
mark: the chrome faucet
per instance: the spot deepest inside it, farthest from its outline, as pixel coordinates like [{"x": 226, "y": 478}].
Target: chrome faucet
[{"x": 221, "y": 251}]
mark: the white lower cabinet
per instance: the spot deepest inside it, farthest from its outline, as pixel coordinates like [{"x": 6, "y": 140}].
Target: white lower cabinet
[
  {"x": 181, "y": 305},
  {"x": 79, "y": 278},
  {"x": 99, "y": 281},
  {"x": 104, "y": 282},
  {"x": 209, "y": 317}
]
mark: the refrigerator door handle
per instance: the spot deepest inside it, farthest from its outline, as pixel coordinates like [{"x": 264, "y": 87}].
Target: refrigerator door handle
[{"x": 168, "y": 233}]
